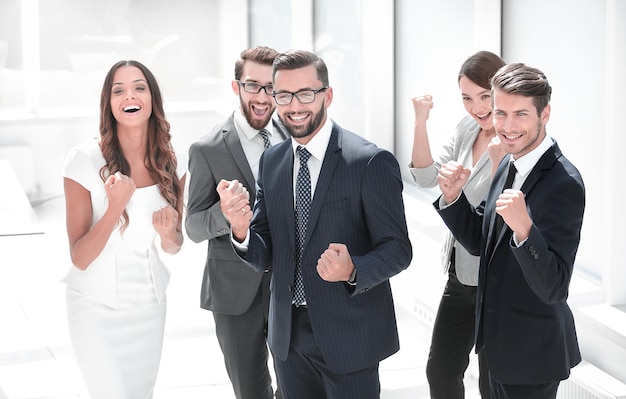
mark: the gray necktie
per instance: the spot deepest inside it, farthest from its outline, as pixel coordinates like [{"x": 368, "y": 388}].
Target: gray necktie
[
  {"x": 303, "y": 207},
  {"x": 266, "y": 139}
]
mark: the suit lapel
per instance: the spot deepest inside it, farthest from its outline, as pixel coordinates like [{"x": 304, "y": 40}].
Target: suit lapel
[
  {"x": 490, "y": 206},
  {"x": 233, "y": 145},
  {"x": 545, "y": 163},
  {"x": 284, "y": 182},
  {"x": 536, "y": 174},
  {"x": 331, "y": 159}
]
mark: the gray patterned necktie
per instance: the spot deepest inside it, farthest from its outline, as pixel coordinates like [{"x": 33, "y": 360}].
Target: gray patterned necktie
[
  {"x": 303, "y": 207},
  {"x": 266, "y": 139}
]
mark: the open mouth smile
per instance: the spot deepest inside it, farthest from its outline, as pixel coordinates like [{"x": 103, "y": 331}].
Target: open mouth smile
[
  {"x": 483, "y": 117},
  {"x": 132, "y": 109},
  {"x": 260, "y": 110},
  {"x": 298, "y": 118}
]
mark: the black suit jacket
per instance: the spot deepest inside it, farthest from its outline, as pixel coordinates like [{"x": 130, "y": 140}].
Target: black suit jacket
[
  {"x": 228, "y": 286},
  {"x": 357, "y": 202},
  {"x": 523, "y": 321}
]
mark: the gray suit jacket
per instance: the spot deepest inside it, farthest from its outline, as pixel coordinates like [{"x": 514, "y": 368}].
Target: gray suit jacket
[{"x": 228, "y": 286}]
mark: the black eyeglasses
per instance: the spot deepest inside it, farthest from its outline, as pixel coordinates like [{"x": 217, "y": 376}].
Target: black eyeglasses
[
  {"x": 305, "y": 96},
  {"x": 255, "y": 88}
]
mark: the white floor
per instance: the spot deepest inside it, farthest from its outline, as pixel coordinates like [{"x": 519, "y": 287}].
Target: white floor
[{"x": 36, "y": 360}]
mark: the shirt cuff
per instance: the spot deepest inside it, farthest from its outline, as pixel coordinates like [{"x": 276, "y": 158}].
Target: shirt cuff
[
  {"x": 442, "y": 202},
  {"x": 241, "y": 246},
  {"x": 518, "y": 244}
]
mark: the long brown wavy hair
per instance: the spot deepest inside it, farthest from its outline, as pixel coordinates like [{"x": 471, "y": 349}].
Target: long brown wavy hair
[{"x": 160, "y": 159}]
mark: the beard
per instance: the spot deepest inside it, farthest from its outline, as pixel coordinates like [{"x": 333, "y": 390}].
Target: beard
[
  {"x": 251, "y": 117},
  {"x": 301, "y": 131}
]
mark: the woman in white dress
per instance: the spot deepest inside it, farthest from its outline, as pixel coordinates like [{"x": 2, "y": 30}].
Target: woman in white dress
[{"x": 124, "y": 200}]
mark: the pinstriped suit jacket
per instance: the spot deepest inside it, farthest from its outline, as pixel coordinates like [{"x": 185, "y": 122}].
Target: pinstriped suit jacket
[{"x": 357, "y": 202}]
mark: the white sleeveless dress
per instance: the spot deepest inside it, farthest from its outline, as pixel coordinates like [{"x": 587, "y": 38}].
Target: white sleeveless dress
[{"x": 118, "y": 342}]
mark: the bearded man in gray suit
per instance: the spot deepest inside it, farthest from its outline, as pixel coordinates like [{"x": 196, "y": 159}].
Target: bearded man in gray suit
[{"x": 237, "y": 295}]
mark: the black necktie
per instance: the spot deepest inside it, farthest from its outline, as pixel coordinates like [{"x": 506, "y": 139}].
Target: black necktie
[
  {"x": 508, "y": 183},
  {"x": 303, "y": 207},
  {"x": 266, "y": 139}
]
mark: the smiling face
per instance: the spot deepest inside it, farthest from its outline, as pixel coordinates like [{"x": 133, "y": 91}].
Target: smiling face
[
  {"x": 256, "y": 108},
  {"x": 517, "y": 124},
  {"x": 131, "y": 99},
  {"x": 302, "y": 121},
  {"x": 477, "y": 102}
]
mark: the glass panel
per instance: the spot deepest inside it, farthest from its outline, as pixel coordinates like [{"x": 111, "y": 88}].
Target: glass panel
[
  {"x": 271, "y": 23},
  {"x": 80, "y": 40},
  {"x": 71, "y": 44},
  {"x": 338, "y": 40},
  {"x": 11, "y": 75}
]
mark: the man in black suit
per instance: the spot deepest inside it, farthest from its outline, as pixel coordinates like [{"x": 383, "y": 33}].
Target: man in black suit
[
  {"x": 527, "y": 237},
  {"x": 329, "y": 219},
  {"x": 237, "y": 295}
]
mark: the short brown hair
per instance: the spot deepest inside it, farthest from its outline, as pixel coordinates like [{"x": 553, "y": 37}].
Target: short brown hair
[
  {"x": 259, "y": 54},
  {"x": 296, "y": 59},
  {"x": 524, "y": 81}
]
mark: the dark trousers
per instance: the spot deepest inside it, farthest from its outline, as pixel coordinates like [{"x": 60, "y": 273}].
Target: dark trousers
[
  {"x": 539, "y": 391},
  {"x": 242, "y": 339},
  {"x": 452, "y": 342},
  {"x": 304, "y": 374}
]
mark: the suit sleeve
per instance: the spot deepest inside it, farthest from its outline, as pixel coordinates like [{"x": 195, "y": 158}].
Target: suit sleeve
[
  {"x": 204, "y": 220},
  {"x": 547, "y": 256},
  {"x": 259, "y": 252},
  {"x": 385, "y": 217},
  {"x": 465, "y": 222}
]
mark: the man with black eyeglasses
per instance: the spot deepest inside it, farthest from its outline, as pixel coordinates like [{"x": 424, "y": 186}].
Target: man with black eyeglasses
[
  {"x": 237, "y": 295},
  {"x": 329, "y": 220}
]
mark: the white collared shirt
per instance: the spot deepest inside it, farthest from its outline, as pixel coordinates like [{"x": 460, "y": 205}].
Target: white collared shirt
[
  {"x": 317, "y": 147},
  {"x": 527, "y": 162},
  {"x": 251, "y": 142}
]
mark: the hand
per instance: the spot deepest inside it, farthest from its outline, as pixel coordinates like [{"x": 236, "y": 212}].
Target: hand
[
  {"x": 165, "y": 221},
  {"x": 119, "y": 189},
  {"x": 235, "y": 205},
  {"x": 511, "y": 205},
  {"x": 452, "y": 177},
  {"x": 495, "y": 152},
  {"x": 335, "y": 264},
  {"x": 422, "y": 106}
]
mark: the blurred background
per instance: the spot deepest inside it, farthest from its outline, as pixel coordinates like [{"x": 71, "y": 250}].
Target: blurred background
[{"x": 54, "y": 55}]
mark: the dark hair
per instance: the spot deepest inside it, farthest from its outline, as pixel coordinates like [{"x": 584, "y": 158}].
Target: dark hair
[
  {"x": 524, "y": 81},
  {"x": 259, "y": 54},
  {"x": 295, "y": 59},
  {"x": 159, "y": 158},
  {"x": 480, "y": 67}
]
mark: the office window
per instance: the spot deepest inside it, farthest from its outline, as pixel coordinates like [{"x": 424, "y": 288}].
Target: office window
[
  {"x": 11, "y": 74},
  {"x": 54, "y": 54}
]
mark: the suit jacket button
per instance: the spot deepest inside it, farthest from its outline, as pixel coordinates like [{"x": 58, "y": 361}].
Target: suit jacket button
[{"x": 536, "y": 256}]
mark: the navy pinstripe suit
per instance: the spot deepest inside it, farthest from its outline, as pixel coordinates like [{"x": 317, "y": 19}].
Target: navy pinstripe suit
[{"x": 357, "y": 202}]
